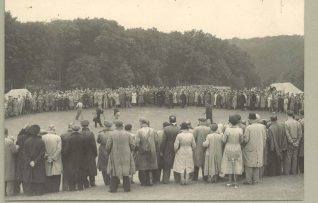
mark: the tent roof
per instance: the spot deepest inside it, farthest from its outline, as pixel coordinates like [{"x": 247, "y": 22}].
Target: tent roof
[
  {"x": 16, "y": 92},
  {"x": 286, "y": 87}
]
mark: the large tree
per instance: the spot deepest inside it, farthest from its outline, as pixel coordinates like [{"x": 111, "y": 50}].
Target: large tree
[{"x": 102, "y": 53}]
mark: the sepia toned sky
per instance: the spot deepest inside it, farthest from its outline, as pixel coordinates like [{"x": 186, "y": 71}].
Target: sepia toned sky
[{"x": 222, "y": 18}]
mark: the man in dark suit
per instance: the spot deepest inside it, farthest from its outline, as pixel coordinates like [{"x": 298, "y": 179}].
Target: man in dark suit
[
  {"x": 167, "y": 148},
  {"x": 90, "y": 156},
  {"x": 65, "y": 138},
  {"x": 73, "y": 156},
  {"x": 277, "y": 145}
]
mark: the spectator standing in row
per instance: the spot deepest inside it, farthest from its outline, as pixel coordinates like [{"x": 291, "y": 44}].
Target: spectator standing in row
[
  {"x": 10, "y": 150},
  {"x": 103, "y": 155}
]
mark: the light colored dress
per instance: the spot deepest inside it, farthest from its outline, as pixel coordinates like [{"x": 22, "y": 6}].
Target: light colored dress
[
  {"x": 134, "y": 98},
  {"x": 184, "y": 145},
  {"x": 213, "y": 155},
  {"x": 232, "y": 150}
]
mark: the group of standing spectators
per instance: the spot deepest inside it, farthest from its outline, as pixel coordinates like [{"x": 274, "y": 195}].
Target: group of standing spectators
[
  {"x": 256, "y": 147},
  {"x": 250, "y": 99}
]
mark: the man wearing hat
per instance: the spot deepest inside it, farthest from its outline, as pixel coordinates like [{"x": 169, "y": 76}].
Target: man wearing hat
[
  {"x": 200, "y": 133},
  {"x": 90, "y": 156},
  {"x": 146, "y": 142},
  {"x": 167, "y": 148},
  {"x": 157, "y": 177},
  {"x": 294, "y": 134},
  {"x": 74, "y": 162},
  {"x": 53, "y": 161},
  {"x": 277, "y": 146},
  {"x": 253, "y": 153},
  {"x": 65, "y": 138},
  {"x": 103, "y": 155},
  {"x": 121, "y": 162},
  {"x": 34, "y": 166}
]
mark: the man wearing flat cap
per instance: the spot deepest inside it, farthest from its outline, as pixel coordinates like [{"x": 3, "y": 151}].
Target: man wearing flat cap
[
  {"x": 167, "y": 148},
  {"x": 53, "y": 161},
  {"x": 200, "y": 133},
  {"x": 90, "y": 156},
  {"x": 65, "y": 138},
  {"x": 277, "y": 146},
  {"x": 146, "y": 142},
  {"x": 121, "y": 162},
  {"x": 73, "y": 157},
  {"x": 34, "y": 167},
  {"x": 103, "y": 155},
  {"x": 254, "y": 140}
]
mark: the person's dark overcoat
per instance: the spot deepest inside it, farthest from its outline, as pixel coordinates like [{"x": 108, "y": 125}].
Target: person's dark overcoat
[
  {"x": 167, "y": 145},
  {"x": 73, "y": 155},
  {"x": 20, "y": 163},
  {"x": 91, "y": 149},
  {"x": 34, "y": 150}
]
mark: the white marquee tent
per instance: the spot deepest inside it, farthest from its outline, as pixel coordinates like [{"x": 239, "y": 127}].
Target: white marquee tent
[
  {"x": 16, "y": 92},
  {"x": 286, "y": 87}
]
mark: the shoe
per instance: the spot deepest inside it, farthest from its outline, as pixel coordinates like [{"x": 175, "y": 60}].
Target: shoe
[
  {"x": 229, "y": 184},
  {"x": 247, "y": 183}
]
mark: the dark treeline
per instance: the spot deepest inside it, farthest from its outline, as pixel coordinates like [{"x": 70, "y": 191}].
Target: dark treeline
[
  {"x": 98, "y": 53},
  {"x": 276, "y": 59}
]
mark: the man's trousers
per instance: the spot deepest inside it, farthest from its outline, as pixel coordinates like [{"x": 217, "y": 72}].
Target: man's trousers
[
  {"x": 166, "y": 176},
  {"x": 114, "y": 181},
  {"x": 9, "y": 188},
  {"x": 91, "y": 181},
  {"x": 52, "y": 183},
  {"x": 196, "y": 173},
  {"x": 252, "y": 174},
  {"x": 290, "y": 161},
  {"x": 106, "y": 177}
]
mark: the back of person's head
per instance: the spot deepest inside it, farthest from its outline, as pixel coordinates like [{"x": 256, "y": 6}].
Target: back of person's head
[
  {"x": 238, "y": 116},
  {"x": 214, "y": 127},
  {"x": 233, "y": 119},
  {"x": 119, "y": 124},
  {"x": 165, "y": 124},
  {"x": 116, "y": 111},
  {"x": 184, "y": 126},
  {"x": 128, "y": 127},
  {"x": 172, "y": 119},
  {"x": 6, "y": 132},
  {"x": 290, "y": 113},
  {"x": 273, "y": 118},
  {"x": 301, "y": 112}
]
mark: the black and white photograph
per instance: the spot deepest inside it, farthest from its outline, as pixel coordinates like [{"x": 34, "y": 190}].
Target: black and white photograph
[{"x": 132, "y": 100}]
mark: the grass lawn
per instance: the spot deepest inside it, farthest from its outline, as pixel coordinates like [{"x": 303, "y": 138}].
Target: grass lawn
[{"x": 271, "y": 188}]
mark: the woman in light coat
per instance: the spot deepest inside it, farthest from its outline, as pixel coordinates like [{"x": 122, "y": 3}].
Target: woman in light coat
[
  {"x": 232, "y": 161},
  {"x": 183, "y": 161},
  {"x": 213, "y": 155}
]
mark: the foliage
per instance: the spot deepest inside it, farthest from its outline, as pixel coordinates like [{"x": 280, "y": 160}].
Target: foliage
[
  {"x": 100, "y": 53},
  {"x": 276, "y": 59}
]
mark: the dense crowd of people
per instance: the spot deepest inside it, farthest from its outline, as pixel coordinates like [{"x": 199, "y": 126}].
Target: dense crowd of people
[
  {"x": 40, "y": 159},
  {"x": 252, "y": 99}
]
